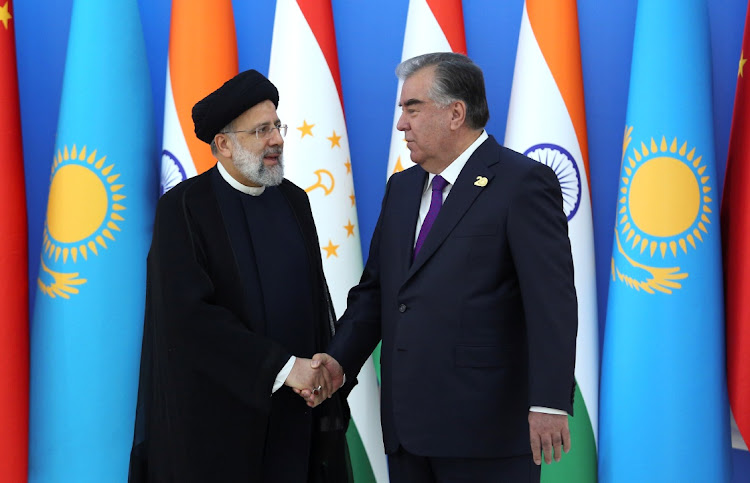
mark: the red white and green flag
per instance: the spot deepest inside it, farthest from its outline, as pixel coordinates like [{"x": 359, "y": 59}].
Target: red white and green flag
[
  {"x": 547, "y": 122},
  {"x": 304, "y": 67},
  {"x": 431, "y": 26}
]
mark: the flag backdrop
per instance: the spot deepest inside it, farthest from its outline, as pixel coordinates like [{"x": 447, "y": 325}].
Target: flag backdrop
[
  {"x": 88, "y": 314},
  {"x": 202, "y": 56},
  {"x": 304, "y": 67},
  {"x": 663, "y": 369},
  {"x": 431, "y": 26},
  {"x": 14, "y": 299},
  {"x": 547, "y": 122},
  {"x": 735, "y": 219}
]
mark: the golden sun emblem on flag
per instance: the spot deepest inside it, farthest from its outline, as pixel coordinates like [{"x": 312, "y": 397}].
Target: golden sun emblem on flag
[
  {"x": 83, "y": 211},
  {"x": 665, "y": 207}
]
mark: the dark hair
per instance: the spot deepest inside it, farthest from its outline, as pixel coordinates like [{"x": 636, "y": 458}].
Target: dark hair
[{"x": 457, "y": 78}]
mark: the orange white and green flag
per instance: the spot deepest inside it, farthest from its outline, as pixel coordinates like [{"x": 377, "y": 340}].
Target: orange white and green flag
[
  {"x": 304, "y": 67},
  {"x": 201, "y": 34},
  {"x": 431, "y": 26},
  {"x": 547, "y": 122}
]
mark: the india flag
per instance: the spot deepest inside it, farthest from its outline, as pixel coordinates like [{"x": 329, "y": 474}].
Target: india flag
[
  {"x": 305, "y": 69},
  {"x": 202, "y": 56},
  {"x": 546, "y": 121},
  {"x": 431, "y": 26}
]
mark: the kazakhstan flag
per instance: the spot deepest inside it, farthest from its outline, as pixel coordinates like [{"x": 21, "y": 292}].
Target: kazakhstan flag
[
  {"x": 663, "y": 398},
  {"x": 88, "y": 315}
]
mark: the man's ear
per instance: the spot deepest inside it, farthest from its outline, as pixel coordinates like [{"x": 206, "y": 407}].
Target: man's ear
[
  {"x": 223, "y": 145},
  {"x": 458, "y": 114}
]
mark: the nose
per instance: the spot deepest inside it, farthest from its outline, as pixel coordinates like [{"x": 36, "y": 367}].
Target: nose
[
  {"x": 402, "y": 124},
  {"x": 276, "y": 138}
]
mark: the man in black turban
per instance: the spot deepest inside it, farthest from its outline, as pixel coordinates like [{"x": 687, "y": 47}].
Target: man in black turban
[{"x": 236, "y": 304}]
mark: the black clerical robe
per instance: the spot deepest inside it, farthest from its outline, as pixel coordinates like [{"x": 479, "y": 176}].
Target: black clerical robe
[{"x": 235, "y": 287}]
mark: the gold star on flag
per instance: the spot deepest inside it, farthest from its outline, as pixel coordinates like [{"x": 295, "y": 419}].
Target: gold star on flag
[
  {"x": 399, "y": 167},
  {"x": 349, "y": 229},
  {"x": 5, "y": 15},
  {"x": 348, "y": 165},
  {"x": 331, "y": 249},
  {"x": 740, "y": 72},
  {"x": 334, "y": 140},
  {"x": 351, "y": 197},
  {"x": 306, "y": 128}
]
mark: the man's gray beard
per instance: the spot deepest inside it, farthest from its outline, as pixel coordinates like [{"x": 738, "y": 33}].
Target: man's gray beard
[{"x": 251, "y": 166}]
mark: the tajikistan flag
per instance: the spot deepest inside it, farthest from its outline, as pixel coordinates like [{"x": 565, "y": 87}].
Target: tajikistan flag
[
  {"x": 305, "y": 69},
  {"x": 201, "y": 35},
  {"x": 431, "y": 26},
  {"x": 546, "y": 121}
]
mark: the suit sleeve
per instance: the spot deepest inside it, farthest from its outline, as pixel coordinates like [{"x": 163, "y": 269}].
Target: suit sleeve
[
  {"x": 359, "y": 329},
  {"x": 540, "y": 247}
]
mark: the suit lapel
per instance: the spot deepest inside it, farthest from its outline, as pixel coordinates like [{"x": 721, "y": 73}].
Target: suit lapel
[
  {"x": 407, "y": 204},
  {"x": 462, "y": 195}
]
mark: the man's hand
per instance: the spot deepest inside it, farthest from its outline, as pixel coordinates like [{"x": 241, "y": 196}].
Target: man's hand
[
  {"x": 333, "y": 368},
  {"x": 311, "y": 380},
  {"x": 547, "y": 431}
]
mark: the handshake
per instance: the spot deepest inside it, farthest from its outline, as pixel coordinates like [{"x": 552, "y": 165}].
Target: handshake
[{"x": 316, "y": 379}]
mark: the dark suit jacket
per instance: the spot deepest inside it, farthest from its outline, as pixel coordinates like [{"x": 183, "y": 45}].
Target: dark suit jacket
[{"x": 482, "y": 325}]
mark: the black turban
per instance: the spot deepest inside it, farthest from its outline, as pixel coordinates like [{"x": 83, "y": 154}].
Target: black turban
[{"x": 226, "y": 103}]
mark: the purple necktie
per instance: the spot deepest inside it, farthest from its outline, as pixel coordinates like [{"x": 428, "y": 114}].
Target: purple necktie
[{"x": 438, "y": 184}]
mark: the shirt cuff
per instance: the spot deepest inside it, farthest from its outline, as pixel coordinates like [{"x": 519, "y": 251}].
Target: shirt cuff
[
  {"x": 541, "y": 409},
  {"x": 283, "y": 374}
]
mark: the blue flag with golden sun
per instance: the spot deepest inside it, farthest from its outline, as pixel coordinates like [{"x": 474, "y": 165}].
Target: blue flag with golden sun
[
  {"x": 88, "y": 314},
  {"x": 663, "y": 397}
]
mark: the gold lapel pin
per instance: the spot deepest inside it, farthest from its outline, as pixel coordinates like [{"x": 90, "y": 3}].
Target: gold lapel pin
[{"x": 481, "y": 181}]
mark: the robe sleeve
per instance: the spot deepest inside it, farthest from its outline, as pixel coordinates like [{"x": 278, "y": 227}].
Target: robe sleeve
[{"x": 202, "y": 335}]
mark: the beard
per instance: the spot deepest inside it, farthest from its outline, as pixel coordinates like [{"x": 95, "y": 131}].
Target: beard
[{"x": 252, "y": 167}]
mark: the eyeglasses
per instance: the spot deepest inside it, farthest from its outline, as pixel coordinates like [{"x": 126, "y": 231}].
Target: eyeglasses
[{"x": 263, "y": 132}]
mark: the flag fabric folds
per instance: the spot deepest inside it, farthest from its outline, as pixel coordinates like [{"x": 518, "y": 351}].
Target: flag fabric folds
[
  {"x": 431, "y": 26},
  {"x": 14, "y": 285},
  {"x": 663, "y": 373},
  {"x": 202, "y": 56},
  {"x": 735, "y": 223},
  {"x": 547, "y": 122},
  {"x": 88, "y": 314},
  {"x": 304, "y": 67}
]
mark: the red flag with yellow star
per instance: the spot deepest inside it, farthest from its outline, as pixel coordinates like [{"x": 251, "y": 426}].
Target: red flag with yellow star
[
  {"x": 14, "y": 305},
  {"x": 735, "y": 222}
]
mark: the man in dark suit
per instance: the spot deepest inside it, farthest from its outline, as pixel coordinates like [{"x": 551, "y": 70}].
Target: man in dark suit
[{"x": 469, "y": 283}]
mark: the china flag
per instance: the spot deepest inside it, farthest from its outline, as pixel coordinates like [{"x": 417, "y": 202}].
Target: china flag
[
  {"x": 735, "y": 222},
  {"x": 14, "y": 304}
]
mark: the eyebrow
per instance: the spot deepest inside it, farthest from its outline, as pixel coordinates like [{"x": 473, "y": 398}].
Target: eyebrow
[
  {"x": 412, "y": 102},
  {"x": 267, "y": 123}
]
